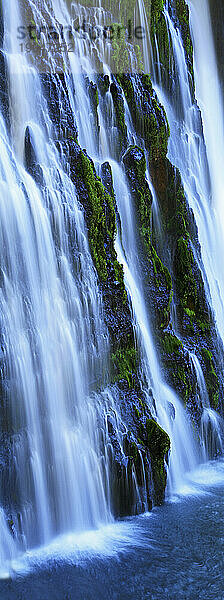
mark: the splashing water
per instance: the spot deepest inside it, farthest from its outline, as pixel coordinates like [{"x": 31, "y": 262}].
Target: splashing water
[
  {"x": 52, "y": 319},
  {"x": 199, "y": 160},
  {"x": 52, "y": 325}
]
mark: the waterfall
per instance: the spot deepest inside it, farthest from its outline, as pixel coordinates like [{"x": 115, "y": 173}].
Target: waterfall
[
  {"x": 211, "y": 423},
  {"x": 55, "y": 339},
  {"x": 168, "y": 410},
  {"x": 146, "y": 35},
  {"x": 53, "y": 327},
  {"x": 199, "y": 160},
  {"x": 8, "y": 550},
  {"x": 210, "y": 100}
]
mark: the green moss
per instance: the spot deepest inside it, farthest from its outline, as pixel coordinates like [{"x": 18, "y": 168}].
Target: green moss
[
  {"x": 101, "y": 220},
  {"x": 124, "y": 364},
  {"x": 182, "y": 381},
  {"x": 205, "y": 326},
  {"x": 158, "y": 275},
  {"x": 147, "y": 114},
  {"x": 189, "y": 286},
  {"x": 182, "y": 13},
  {"x": 159, "y": 29},
  {"x": 157, "y": 7},
  {"x": 121, "y": 55},
  {"x": 134, "y": 452},
  {"x": 139, "y": 58},
  {"x": 119, "y": 274},
  {"x": 211, "y": 378},
  {"x": 171, "y": 344},
  {"x": 158, "y": 440},
  {"x": 215, "y": 399},
  {"x": 137, "y": 412},
  {"x": 185, "y": 279},
  {"x": 119, "y": 112},
  {"x": 96, "y": 194}
]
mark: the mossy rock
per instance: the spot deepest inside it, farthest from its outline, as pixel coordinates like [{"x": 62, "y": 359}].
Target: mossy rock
[
  {"x": 118, "y": 101},
  {"x": 158, "y": 443},
  {"x": 182, "y": 15},
  {"x": 171, "y": 343},
  {"x": 157, "y": 276},
  {"x": 124, "y": 363},
  {"x": 103, "y": 84},
  {"x": 55, "y": 90},
  {"x": 146, "y": 447},
  {"x": 211, "y": 378},
  {"x": 98, "y": 201},
  {"x": 147, "y": 113}
]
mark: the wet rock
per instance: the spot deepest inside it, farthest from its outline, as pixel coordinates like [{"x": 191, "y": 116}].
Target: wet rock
[
  {"x": 118, "y": 101},
  {"x": 103, "y": 84},
  {"x": 31, "y": 163},
  {"x": 55, "y": 89}
]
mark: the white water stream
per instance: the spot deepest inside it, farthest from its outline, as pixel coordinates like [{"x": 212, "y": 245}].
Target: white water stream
[
  {"x": 199, "y": 159},
  {"x": 52, "y": 319}
]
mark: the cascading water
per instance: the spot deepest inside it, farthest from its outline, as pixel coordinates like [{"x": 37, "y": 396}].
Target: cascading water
[
  {"x": 146, "y": 37},
  {"x": 54, "y": 336},
  {"x": 166, "y": 407},
  {"x": 169, "y": 411},
  {"x": 199, "y": 160},
  {"x": 211, "y": 422},
  {"x": 52, "y": 318},
  {"x": 209, "y": 97}
]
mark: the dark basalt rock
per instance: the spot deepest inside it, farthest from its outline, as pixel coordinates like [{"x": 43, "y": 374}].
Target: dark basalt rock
[
  {"x": 118, "y": 101},
  {"x": 98, "y": 201},
  {"x": 103, "y": 84},
  {"x": 158, "y": 444},
  {"x": 157, "y": 279},
  {"x": 94, "y": 101},
  {"x": 148, "y": 115},
  {"x": 32, "y": 166},
  {"x": 195, "y": 319},
  {"x": 107, "y": 178},
  {"x": 134, "y": 160},
  {"x": 145, "y": 451},
  {"x": 4, "y": 101},
  {"x": 59, "y": 106}
]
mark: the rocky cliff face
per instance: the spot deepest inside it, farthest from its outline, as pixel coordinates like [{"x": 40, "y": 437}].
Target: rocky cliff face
[
  {"x": 145, "y": 445},
  {"x": 170, "y": 269},
  {"x": 172, "y": 276}
]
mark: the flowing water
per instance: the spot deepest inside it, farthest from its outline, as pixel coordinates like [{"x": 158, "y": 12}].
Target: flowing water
[
  {"x": 175, "y": 552},
  {"x": 165, "y": 406},
  {"x": 52, "y": 326},
  {"x": 199, "y": 158},
  {"x": 211, "y": 422},
  {"x": 52, "y": 322}
]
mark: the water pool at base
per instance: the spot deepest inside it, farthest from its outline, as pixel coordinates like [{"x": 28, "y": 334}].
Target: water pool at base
[{"x": 173, "y": 553}]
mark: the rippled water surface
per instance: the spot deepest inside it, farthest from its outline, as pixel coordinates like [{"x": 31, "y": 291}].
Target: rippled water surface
[{"x": 175, "y": 552}]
